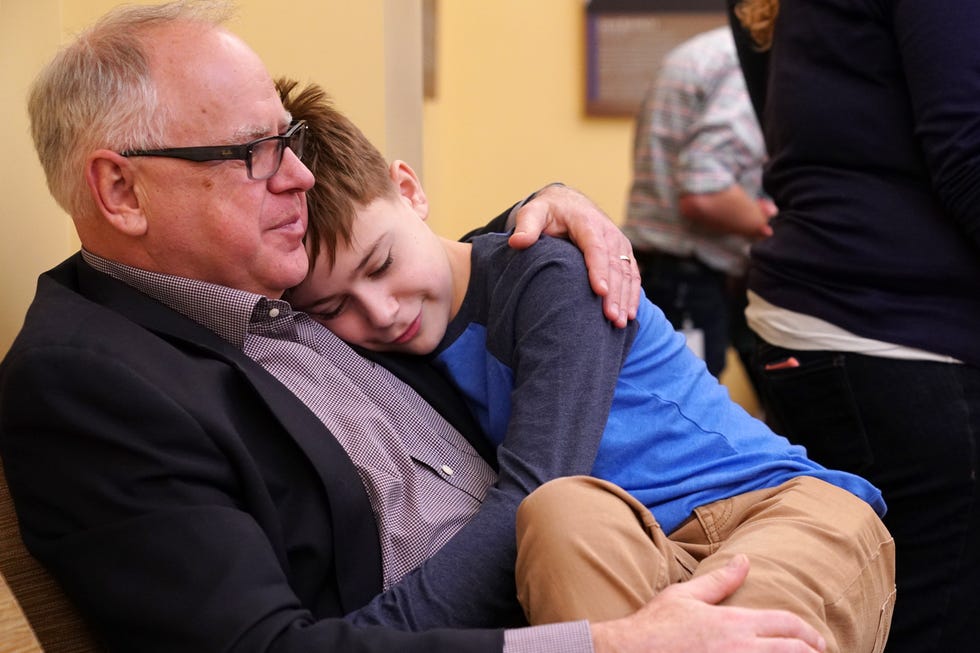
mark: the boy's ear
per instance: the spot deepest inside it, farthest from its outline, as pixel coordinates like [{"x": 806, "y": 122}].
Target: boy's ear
[
  {"x": 409, "y": 187},
  {"x": 111, "y": 180}
]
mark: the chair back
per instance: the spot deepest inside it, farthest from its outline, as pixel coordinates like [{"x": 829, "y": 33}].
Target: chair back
[{"x": 16, "y": 635}]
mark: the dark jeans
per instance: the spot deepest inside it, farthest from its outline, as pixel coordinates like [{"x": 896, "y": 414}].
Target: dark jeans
[
  {"x": 685, "y": 288},
  {"x": 912, "y": 429}
]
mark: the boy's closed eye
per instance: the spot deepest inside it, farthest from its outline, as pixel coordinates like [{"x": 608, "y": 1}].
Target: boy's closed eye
[
  {"x": 331, "y": 313},
  {"x": 326, "y": 308},
  {"x": 381, "y": 269},
  {"x": 332, "y": 307}
]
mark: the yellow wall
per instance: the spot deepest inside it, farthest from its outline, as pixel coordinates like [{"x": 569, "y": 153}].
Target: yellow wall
[
  {"x": 508, "y": 116},
  {"x": 35, "y": 234}
]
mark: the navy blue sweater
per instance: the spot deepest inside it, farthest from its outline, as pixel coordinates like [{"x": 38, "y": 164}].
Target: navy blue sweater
[{"x": 872, "y": 120}]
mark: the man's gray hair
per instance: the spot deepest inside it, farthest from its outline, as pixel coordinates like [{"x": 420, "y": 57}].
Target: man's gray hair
[{"x": 97, "y": 93}]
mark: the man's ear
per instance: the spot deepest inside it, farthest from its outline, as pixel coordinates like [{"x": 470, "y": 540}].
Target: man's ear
[
  {"x": 111, "y": 180},
  {"x": 409, "y": 187}
]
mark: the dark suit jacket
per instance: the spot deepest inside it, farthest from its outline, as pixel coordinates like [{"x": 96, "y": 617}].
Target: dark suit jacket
[{"x": 187, "y": 500}]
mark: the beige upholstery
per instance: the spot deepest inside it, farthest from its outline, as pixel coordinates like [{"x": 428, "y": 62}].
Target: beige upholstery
[
  {"x": 26, "y": 588},
  {"x": 16, "y": 635}
]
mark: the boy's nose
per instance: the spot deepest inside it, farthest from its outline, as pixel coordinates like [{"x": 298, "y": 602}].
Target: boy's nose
[{"x": 382, "y": 311}]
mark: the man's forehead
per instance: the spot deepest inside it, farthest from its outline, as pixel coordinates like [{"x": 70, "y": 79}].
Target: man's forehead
[{"x": 211, "y": 82}]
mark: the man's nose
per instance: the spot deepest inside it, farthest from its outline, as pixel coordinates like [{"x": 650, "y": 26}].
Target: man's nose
[{"x": 292, "y": 173}]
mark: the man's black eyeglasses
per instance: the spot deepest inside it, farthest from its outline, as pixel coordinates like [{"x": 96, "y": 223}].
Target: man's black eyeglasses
[{"x": 262, "y": 156}]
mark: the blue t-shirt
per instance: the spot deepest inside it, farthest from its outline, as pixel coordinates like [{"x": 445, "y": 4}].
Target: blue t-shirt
[{"x": 545, "y": 373}]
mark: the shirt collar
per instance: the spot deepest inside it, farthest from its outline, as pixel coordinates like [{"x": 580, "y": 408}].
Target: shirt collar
[{"x": 226, "y": 311}]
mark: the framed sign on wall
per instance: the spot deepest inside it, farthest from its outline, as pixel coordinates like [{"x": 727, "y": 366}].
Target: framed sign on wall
[{"x": 627, "y": 39}]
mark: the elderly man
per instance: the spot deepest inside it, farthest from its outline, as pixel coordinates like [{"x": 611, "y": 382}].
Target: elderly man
[{"x": 205, "y": 469}]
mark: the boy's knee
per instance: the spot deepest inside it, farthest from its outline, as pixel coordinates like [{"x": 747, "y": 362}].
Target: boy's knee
[
  {"x": 569, "y": 497},
  {"x": 551, "y": 501}
]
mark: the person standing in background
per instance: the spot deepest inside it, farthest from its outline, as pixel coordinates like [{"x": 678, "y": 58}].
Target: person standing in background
[
  {"x": 695, "y": 204},
  {"x": 867, "y": 295}
]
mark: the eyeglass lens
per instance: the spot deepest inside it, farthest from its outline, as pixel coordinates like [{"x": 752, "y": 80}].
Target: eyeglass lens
[{"x": 266, "y": 154}]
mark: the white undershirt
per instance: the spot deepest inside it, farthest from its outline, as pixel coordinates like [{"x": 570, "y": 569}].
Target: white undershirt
[{"x": 792, "y": 330}]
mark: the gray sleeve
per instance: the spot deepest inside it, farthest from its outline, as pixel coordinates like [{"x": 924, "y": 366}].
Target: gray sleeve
[{"x": 566, "y": 358}]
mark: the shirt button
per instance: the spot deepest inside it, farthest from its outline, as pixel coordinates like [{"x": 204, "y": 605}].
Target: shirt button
[
  {"x": 274, "y": 312},
  {"x": 447, "y": 470}
]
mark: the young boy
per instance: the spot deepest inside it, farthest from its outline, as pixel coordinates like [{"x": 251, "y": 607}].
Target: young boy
[{"x": 522, "y": 336}]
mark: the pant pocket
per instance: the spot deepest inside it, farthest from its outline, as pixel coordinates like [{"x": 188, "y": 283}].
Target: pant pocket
[{"x": 808, "y": 399}]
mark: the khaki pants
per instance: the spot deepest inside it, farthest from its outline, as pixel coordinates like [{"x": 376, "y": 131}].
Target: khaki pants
[{"x": 589, "y": 550}]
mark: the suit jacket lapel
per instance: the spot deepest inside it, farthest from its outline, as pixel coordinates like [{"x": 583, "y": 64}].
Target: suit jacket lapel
[{"x": 356, "y": 542}]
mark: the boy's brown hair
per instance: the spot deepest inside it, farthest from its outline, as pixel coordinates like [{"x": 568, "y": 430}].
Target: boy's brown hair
[{"x": 349, "y": 171}]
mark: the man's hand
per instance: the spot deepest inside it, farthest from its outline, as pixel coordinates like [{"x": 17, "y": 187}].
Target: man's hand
[
  {"x": 729, "y": 211},
  {"x": 684, "y": 618},
  {"x": 557, "y": 210}
]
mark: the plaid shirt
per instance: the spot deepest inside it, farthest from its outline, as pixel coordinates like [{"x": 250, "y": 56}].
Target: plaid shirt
[
  {"x": 696, "y": 133},
  {"x": 423, "y": 479}
]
